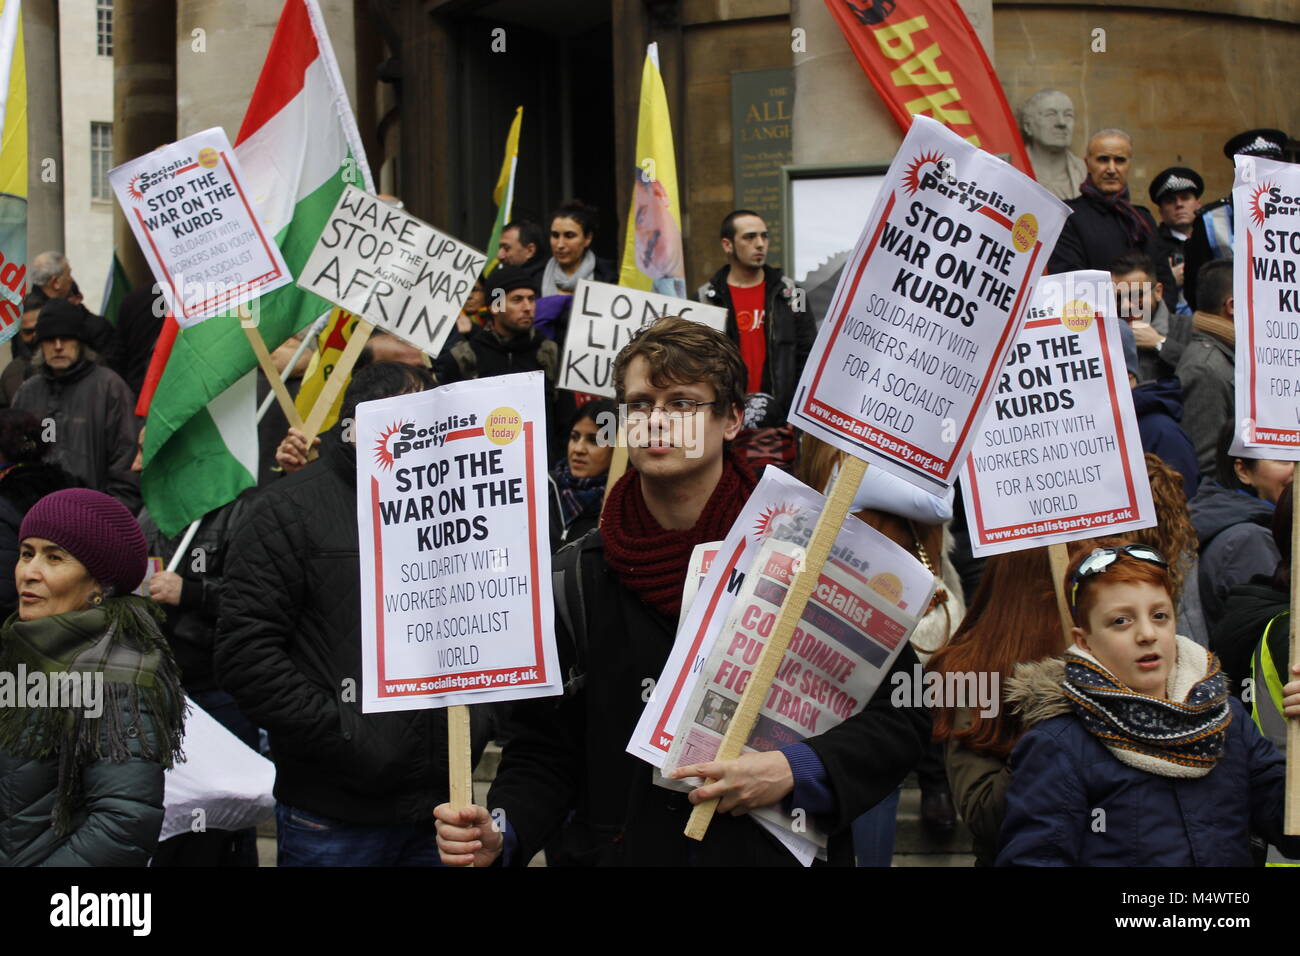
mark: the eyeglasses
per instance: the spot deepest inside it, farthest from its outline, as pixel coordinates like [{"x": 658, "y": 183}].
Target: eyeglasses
[
  {"x": 1103, "y": 558},
  {"x": 677, "y": 410}
]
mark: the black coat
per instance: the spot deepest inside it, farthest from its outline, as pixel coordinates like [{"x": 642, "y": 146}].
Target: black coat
[
  {"x": 569, "y": 752},
  {"x": 1246, "y": 612},
  {"x": 94, "y": 426},
  {"x": 1094, "y": 236},
  {"x": 191, "y": 626},
  {"x": 288, "y": 650},
  {"x": 790, "y": 335}
]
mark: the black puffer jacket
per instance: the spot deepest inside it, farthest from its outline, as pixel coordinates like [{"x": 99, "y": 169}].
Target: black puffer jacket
[
  {"x": 121, "y": 810},
  {"x": 790, "y": 335},
  {"x": 288, "y": 649}
]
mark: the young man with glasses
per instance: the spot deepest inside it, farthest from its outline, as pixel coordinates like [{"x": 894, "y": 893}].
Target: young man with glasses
[{"x": 682, "y": 385}]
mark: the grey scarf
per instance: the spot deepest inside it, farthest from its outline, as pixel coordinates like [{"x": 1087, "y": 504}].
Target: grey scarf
[{"x": 554, "y": 281}]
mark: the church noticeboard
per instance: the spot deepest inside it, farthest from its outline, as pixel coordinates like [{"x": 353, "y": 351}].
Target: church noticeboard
[{"x": 762, "y": 102}]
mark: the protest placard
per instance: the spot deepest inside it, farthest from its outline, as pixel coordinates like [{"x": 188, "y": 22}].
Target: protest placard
[
  {"x": 1058, "y": 457},
  {"x": 455, "y": 571},
  {"x": 922, "y": 320},
  {"x": 776, "y": 494},
  {"x": 779, "y": 505},
  {"x": 602, "y": 320},
  {"x": 196, "y": 227},
  {"x": 1266, "y": 293},
  {"x": 845, "y": 642},
  {"x": 399, "y": 272}
]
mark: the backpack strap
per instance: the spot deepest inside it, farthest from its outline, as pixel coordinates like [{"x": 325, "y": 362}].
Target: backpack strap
[
  {"x": 465, "y": 358},
  {"x": 567, "y": 573},
  {"x": 548, "y": 357}
]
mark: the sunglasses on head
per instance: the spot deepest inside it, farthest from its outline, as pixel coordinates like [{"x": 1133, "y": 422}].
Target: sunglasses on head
[{"x": 1103, "y": 558}]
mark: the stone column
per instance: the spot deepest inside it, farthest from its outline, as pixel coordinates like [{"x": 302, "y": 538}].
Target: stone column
[
  {"x": 44, "y": 127},
  {"x": 144, "y": 100},
  {"x": 220, "y": 48}
]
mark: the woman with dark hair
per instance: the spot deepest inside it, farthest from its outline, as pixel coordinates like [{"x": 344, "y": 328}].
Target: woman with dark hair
[
  {"x": 83, "y": 774},
  {"x": 578, "y": 480},
  {"x": 573, "y": 227},
  {"x": 25, "y": 478}
]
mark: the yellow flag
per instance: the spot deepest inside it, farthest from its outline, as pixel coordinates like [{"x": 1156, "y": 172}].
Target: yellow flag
[
  {"x": 13, "y": 168},
  {"x": 504, "y": 193},
  {"x": 652, "y": 247},
  {"x": 331, "y": 342}
]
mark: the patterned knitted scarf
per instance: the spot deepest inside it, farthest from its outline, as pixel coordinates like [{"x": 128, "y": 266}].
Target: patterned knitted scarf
[
  {"x": 1135, "y": 226},
  {"x": 578, "y": 496},
  {"x": 1182, "y": 736},
  {"x": 650, "y": 560},
  {"x": 120, "y": 640}
]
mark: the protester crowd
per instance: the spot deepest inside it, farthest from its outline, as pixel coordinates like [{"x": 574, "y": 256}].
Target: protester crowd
[{"x": 1149, "y": 715}]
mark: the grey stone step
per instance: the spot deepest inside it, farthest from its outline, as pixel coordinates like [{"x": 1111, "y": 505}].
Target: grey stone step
[{"x": 911, "y": 836}]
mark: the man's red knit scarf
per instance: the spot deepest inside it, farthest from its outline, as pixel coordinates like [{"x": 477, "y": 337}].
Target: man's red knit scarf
[{"x": 651, "y": 561}]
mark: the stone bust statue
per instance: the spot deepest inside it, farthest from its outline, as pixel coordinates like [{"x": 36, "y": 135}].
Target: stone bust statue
[{"x": 1047, "y": 123}]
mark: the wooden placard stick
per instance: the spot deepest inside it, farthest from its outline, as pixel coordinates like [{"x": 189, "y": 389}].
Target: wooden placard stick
[
  {"x": 268, "y": 368},
  {"x": 829, "y": 523},
  {"x": 338, "y": 378},
  {"x": 1059, "y": 556},
  {"x": 460, "y": 763},
  {"x": 1291, "y": 821}
]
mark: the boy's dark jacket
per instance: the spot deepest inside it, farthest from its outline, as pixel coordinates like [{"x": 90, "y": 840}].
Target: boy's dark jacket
[
  {"x": 1073, "y": 803},
  {"x": 569, "y": 753}
]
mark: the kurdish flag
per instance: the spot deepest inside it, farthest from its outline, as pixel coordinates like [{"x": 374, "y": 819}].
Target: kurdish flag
[
  {"x": 298, "y": 147},
  {"x": 504, "y": 193},
  {"x": 13, "y": 168},
  {"x": 652, "y": 248}
]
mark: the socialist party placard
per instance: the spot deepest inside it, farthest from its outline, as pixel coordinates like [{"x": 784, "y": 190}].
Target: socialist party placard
[
  {"x": 194, "y": 223},
  {"x": 1266, "y": 293},
  {"x": 1058, "y": 457},
  {"x": 602, "y": 320},
  {"x": 455, "y": 569},
  {"x": 394, "y": 270},
  {"x": 923, "y": 317}
]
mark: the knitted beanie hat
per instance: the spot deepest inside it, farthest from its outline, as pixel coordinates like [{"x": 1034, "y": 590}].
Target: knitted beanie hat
[
  {"x": 60, "y": 319},
  {"x": 508, "y": 278},
  {"x": 96, "y": 530}
]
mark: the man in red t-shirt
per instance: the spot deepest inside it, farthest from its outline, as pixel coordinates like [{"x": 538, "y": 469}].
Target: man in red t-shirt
[{"x": 767, "y": 321}]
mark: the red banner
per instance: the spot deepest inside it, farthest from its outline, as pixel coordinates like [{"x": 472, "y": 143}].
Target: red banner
[{"x": 923, "y": 58}]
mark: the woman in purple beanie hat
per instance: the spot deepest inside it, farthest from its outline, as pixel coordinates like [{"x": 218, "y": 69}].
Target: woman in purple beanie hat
[{"x": 91, "y": 707}]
